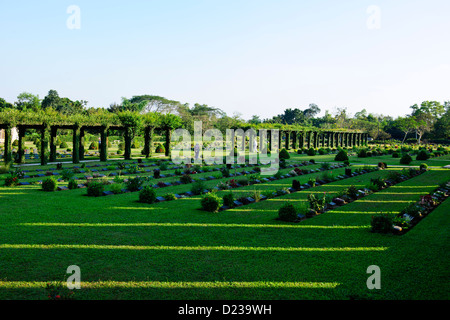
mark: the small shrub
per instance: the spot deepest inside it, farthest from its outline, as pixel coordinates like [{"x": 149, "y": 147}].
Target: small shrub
[
  {"x": 134, "y": 184},
  {"x": 284, "y": 154},
  {"x": 317, "y": 203},
  {"x": 228, "y": 200},
  {"x": 352, "y": 192},
  {"x": 93, "y": 145},
  {"x": 147, "y": 195},
  {"x": 116, "y": 188},
  {"x": 67, "y": 174},
  {"x": 325, "y": 166},
  {"x": 362, "y": 153},
  {"x": 73, "y": 184},
  {"x": 11, "y": 181},
  {"x": 322, "y": 151},
  {"x": 287, "y": 212},
  {"x": 311, "y": 152},
  {"x": 382, "y": 223},
  {"x": 243, "y": 181},
  {"x": 422, "y": 155},
  {"x": 423, "y": 166},
  {"x": 160, "y": 148},
  {"x": 63, "y": 145},
  {"x": 210, "y": 202},
  {"x": 163, "y": 166},
  {"x": 198, "y": 187},
  {"x": 95, "y": 189},
  {"x": 380, "y": 182},
  {"x": 49, "y": 184},
  {"x": 170, "y": 197},
  {"x": 372, "y": 187},
  {"x": 406, "y": 159},
  {"x": 341, "y": 156},
  {"x": 186, "y": 178},
  {"x": 225, "y": 172}
]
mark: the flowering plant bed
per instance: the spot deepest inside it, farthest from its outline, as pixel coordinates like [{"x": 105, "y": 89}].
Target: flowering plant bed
[{"x": 414, "y": 213}]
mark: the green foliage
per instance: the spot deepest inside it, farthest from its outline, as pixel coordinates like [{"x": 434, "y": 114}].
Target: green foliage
[
  {"x": 243, "y": 181},
  {"x": 147, "y": 195},
  {"x": 288, "y": 212},
  {"x": 63, "y": 145},
  {"x": 67, "y": 174},
  {"x": 362, "y": 153},
  {"x": 135, "y": 183},
  {"x": 382, "y": 223},
  {"x": 95, "y": 188},
  {"x": 73, "y": 184},
  {"x": 169, "y": 197},
  {"x": 49, "y": 184},
  {"x": 160, "y": 148},
  {"x": 317, "y": 203},
  {"x": 311, "y": 152},
  {"x": 93, "y": 145},
  {"x": 341, "y": 156},
  {"x": 406, "y": 159},
  {"x": 210, "y": 202},
  {"x": 284, "y": 154},
  {"x": 422, "y": 155},
  {"x": 186, "y": 178},
  {"x": 198, "y": 187},
  {"x": 116, "y": 188}
]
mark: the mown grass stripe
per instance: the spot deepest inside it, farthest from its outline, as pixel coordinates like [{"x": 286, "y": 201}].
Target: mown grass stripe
[
  {"x": 185, "y": 248},
  {"x": 171, "y": 285},
  {"x": 200, "y": 225}
]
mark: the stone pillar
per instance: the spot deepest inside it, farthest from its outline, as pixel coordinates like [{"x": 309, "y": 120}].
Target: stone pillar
[
  {"x": 309, "y": 135},
  {"x": 104, "y": 143},
  {"x": 294, "y": 140},
  {"x": 301, "y": 140},
  {"x": 8, "y": 145},
  {"x": 316, "y": 140},
  {"x": 53, "y": 135},
  {"x": 127, "y": 136},
  {"x": 21, "y": 155},
  {"x": 44, "y": 144},
  {"x": 148, "y": 144},
  {"x": 81, "y": 144},
  {"x": 168, "y": 138},
  {"x": 76, "y": 144},
  {"x": 288, "y": 140}
]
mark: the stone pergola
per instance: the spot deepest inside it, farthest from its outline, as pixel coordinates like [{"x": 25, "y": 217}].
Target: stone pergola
[{"x": 294, "y": 139}]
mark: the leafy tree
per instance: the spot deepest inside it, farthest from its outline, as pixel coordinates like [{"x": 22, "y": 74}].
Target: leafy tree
[
  {"x": 5, "y": 105},
  {"x": 311, "y": 112},
  {"x": 426, "y": 116},
  {"x": 406, "y": 125},
  {"x": 28, "y": 101},
  {"x": 51, "y": 100},
  {"x": 255, "y": 120}
]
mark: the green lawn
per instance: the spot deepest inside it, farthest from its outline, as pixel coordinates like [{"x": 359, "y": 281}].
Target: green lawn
[{"x": 173, "y": 250}]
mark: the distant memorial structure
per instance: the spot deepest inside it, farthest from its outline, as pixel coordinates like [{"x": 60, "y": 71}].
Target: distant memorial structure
[{"x": 14, "y": 135}]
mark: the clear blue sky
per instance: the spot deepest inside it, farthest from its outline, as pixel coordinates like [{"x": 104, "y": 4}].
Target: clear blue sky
[{"x": 246, "y": 56}]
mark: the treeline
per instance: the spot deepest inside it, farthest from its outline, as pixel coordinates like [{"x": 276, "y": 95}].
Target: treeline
[{"x": 428, "y": 121}]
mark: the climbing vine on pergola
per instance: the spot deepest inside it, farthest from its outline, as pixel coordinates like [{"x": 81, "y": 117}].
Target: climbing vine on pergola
[{"x": 48, "y": 122}]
